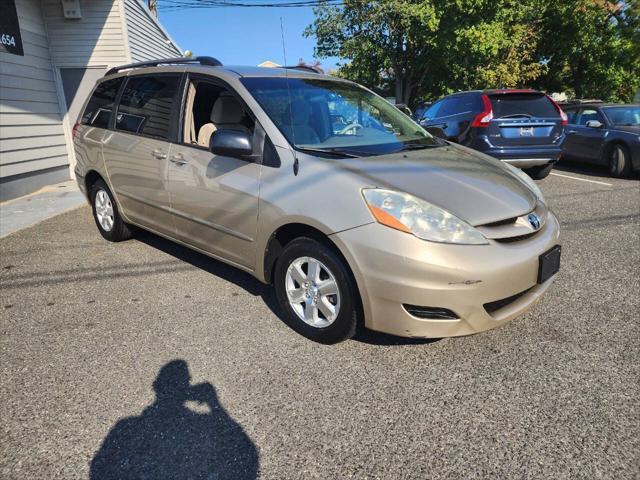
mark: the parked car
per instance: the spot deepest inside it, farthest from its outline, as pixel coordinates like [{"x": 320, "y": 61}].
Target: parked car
[
  {"x": 374, "y": 222},
  {"x": 604, "y": 134},
  {"x": 420, "y": 109},
  {"x": 521, "y": 127}
]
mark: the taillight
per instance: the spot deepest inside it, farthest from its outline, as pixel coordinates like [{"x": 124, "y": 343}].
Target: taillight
[
  {"x": 74, "y": 130},
  {"x": 563, "y": 115},
  {"x": 484, "y": 118}
]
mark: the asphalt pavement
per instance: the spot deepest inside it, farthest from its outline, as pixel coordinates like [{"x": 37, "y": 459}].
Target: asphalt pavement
[{"x": 99, "y": 342}]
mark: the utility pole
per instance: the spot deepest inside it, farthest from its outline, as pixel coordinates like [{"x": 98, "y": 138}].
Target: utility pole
[{"x": 153, "y": 7}]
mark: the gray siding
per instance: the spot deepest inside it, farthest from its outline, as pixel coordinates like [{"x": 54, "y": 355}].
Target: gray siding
[
  {"x": 95, "y": 39},
  {"x": 31, "y": 134},
  {"x": 147, "y": 41}
]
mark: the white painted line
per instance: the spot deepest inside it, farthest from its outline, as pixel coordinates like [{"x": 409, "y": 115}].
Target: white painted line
[{"x": 582, "y": 179}]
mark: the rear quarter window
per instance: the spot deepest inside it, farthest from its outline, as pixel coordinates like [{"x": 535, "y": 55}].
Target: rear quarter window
[
  {"x": 100, "y": 106},
  {"x": 532, "y": 104}
]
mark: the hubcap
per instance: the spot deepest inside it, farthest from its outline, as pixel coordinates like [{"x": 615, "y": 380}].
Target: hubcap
[
  {"x": 104, "y": 210},
  {"x": 313, "y": 292}
]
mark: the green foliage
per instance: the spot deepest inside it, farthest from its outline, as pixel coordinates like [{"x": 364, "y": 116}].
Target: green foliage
[{"x": 426, "y": 48}]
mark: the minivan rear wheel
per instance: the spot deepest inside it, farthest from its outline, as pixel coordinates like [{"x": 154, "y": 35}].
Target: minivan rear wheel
[
  {"x": 538, "y": 173},
  {"x": 106, "y": 215},
  {"x": 315, "y": 292}
]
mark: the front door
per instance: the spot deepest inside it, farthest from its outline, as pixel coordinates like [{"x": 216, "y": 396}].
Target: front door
[
  {"x": 214, "y": 198},
  {"x": 587, "y": 141},
  {"x": 136, "y": 153}
]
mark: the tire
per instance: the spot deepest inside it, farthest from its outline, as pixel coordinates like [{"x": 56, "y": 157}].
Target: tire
[
  {"x": 538, "y": 173},
  {"x": 293, "y": 269},
  {"x": 619, "y": 160},
  {"x": 106, "y": 215}
]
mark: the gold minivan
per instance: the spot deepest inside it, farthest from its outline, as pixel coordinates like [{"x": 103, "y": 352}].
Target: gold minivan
[{"x": 355, "y": 214}]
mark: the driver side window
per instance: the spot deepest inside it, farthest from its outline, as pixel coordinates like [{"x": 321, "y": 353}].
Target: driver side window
[
  {"x": 211, "y": 107},
  {"x": 587, "y": 114}
]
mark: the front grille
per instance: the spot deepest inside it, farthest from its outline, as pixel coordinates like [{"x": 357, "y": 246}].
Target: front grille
[
  {"x": 430, "y": 312},
  {"x": 499, "y": 223},
  {"x": 498, "y": 304},
  {"x": 517, "y": 238}
]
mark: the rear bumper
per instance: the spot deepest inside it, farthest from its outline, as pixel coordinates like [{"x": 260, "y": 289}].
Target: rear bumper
[{"x": 525, "y": 157}]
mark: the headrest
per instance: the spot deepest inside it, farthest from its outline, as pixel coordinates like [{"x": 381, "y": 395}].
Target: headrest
[
  {"x": 226, "y": 109},
  {"x": 299, "y": 114}
]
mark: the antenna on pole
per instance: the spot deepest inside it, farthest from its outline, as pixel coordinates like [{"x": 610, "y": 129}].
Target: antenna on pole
[{"x": 286, "y": 76}]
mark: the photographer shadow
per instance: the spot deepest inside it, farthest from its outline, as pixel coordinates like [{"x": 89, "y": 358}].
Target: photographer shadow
[{"x": 169, "y": 440}]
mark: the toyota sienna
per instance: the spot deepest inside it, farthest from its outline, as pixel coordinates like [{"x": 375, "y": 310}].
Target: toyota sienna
[{"x": 354, "y": 213}]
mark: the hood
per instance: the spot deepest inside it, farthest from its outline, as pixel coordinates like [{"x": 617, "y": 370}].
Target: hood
[{"x": 475, "y": 187}]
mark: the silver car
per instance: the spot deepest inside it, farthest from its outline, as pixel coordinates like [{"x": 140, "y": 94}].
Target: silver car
[{"x": 355, "y": 214}]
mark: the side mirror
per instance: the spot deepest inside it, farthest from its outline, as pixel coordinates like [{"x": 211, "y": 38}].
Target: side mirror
[
  {"x": 593, "y": 124},
  {"x": 231, "y": 143}
]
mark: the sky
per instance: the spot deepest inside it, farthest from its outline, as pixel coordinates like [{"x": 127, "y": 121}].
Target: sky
[{"x": 244, "y": 36}]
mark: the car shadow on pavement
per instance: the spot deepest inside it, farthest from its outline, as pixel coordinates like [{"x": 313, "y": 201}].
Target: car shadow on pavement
[
  {"x": 255, "y": 287},
  {"x": 588, "y": 169},
  {"x": 212, "y": 266},
  {"x": 168, "y": 440}
]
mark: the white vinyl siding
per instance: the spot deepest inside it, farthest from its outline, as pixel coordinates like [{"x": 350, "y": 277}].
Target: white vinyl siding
[
  {"x": 97, "y": 39},
  {"x": 31, "y": 133},
  {"x": 147, "y": 41}
]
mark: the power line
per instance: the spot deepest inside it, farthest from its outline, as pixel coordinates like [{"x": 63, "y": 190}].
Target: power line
[{"x": 189, "y": 4}]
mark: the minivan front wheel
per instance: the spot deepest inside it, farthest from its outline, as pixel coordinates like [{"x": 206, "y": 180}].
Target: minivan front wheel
[
  {"x": 106, "y": 215},
  {"x": 315, "y": 292}
]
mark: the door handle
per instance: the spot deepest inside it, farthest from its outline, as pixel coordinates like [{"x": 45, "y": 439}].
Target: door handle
[
  {"x": 178, "y": 159},
  {"x": 159, "y": 154},
  {"x": 570, "y": 131}
]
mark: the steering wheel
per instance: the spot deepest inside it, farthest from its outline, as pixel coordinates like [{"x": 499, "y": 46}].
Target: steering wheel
[{"x": 351, "y": 127}]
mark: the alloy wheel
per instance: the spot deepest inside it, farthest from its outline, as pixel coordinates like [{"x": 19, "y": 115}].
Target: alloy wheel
[
  {"x": 312, "y": 292},
  {"x": 104, "y": 210}
]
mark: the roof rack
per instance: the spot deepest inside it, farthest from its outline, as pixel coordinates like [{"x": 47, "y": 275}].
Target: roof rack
[
  {"x": 210, "y": 61},
  {"x": 304, "y": 68}
]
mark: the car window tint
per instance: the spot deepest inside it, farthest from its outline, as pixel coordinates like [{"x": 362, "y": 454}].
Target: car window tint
[
  {"x": 532, "y": 104},
  {"x": 464, "y": 104},
  {"x": 572, "y": 115},
  {"x": 146, "y": 105},
  {"x": 449, "y": 106},
  {"x": 432, "y": 111},
  {"x": 100, "y": 105},
  {"x": 587, "y": 114}
]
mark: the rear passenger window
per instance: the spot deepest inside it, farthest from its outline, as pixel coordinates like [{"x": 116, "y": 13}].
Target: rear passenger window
[
  {"x": 146, "y": 105},
  {"x": 100, "y": 105}
]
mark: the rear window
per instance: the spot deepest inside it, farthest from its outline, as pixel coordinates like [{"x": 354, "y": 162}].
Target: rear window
[
  {"x": 146, "y": 105},
  {"x": 100, "y": 105},
  {"x": 514, "y": 104}
]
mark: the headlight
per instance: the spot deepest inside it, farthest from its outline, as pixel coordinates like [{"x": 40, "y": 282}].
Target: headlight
[
  {"x": 409, "y": 214},
  {"x": 528, "y": 181}
]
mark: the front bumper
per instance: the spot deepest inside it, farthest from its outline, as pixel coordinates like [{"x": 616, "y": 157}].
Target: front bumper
[{"x": 395, "y": 269}]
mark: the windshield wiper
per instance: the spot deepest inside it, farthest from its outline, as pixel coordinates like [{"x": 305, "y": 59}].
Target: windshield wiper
[
  {"x": 515, "y": 115},
  {"x": 334, "y": 152},
  {"x": 420, "y": 146}
]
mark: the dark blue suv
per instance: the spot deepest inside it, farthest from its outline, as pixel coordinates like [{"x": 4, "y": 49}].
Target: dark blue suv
[{"x": 522, "y": 127}]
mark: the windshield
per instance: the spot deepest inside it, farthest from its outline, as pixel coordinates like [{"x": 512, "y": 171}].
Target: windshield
[
  {"x": 624, "y": 116},
  {"x": 336, "y": 117}
]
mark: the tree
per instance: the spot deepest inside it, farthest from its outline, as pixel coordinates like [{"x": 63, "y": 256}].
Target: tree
[
  {"x": 382, "y": 40},
  {"x": 592, "y": 48},
  {"x": 427, "y": 48}
]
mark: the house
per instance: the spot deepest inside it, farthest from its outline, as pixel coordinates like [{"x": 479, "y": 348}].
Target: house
[{"x": 51, "y": 54}]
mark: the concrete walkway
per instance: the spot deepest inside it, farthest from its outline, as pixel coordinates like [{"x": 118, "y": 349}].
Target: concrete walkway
[{"x": 47, "y": 202}]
